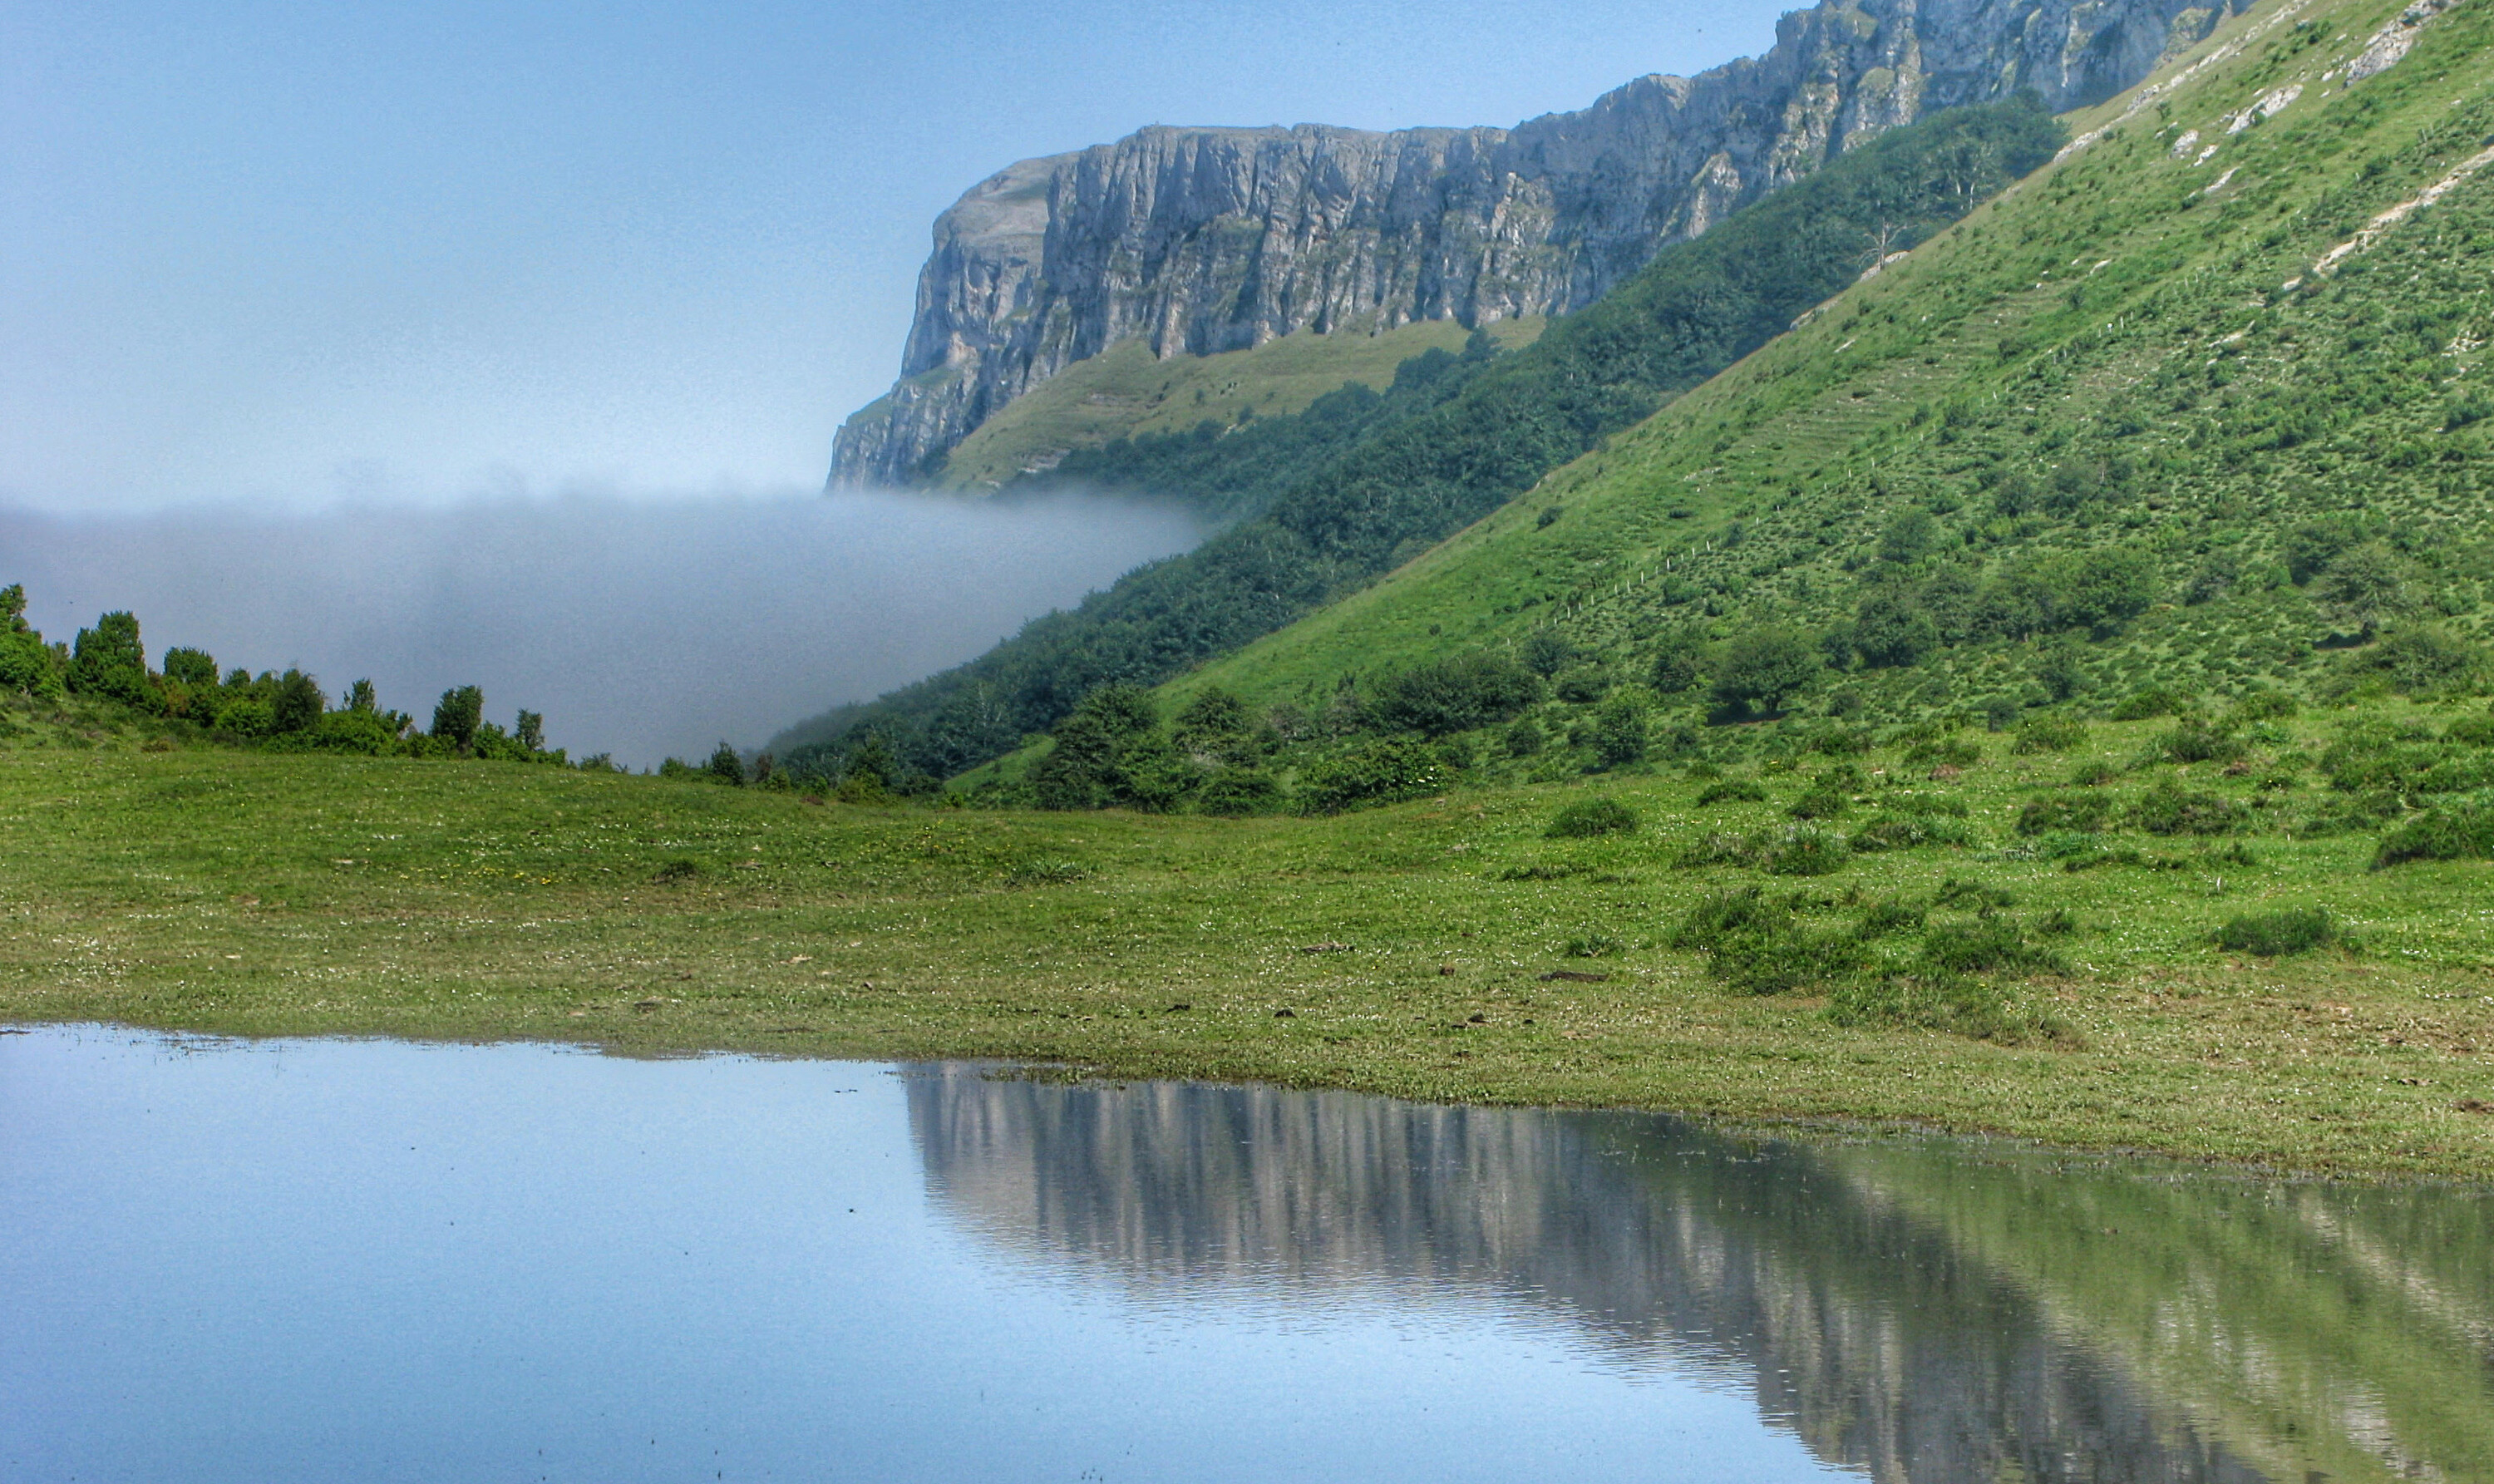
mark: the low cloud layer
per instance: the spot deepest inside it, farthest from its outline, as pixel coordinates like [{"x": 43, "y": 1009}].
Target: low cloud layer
[{"x": 640, "y": 628}]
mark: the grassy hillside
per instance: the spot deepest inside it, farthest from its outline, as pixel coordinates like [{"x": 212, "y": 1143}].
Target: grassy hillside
[
  {"x": 1407, "y": 482},
  {"x": 1127, "y": 392},
  {"x": 2146, "y": 359}
]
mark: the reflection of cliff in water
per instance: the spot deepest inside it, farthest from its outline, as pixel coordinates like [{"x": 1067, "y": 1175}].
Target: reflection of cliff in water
[{"x": 1915, "y": 1310}]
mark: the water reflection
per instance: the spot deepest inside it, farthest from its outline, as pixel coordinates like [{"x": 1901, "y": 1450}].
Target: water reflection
[{"x": 1918, "y": 1311}]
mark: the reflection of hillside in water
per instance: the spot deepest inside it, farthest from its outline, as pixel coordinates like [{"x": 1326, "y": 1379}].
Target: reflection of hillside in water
[{"x": 1914, "y": 1311}]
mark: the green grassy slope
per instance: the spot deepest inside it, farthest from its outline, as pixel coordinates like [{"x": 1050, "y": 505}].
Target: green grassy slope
[
  {"x": 263, "y": 892},
  {"x": 1125, "y": 391},
  {"x": 2108, "y": 358}
]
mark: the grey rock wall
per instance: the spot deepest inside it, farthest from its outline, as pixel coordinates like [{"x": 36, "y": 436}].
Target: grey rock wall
[{"x": 1203, "y": 240}]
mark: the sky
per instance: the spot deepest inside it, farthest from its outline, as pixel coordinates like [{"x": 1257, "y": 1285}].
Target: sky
[{"x": 305, "y": 254}]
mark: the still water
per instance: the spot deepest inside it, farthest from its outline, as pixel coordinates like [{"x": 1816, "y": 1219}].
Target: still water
[{"x": 368, "y": 1260}]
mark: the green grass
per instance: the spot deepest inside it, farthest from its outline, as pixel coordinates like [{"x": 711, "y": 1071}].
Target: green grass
[
  {"x": 1125, "y": 391},
  {"x": 264, "y": 893}
]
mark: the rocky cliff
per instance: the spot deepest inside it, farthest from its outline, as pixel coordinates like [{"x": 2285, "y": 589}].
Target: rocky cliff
[{"x": 1203, "y": 240}]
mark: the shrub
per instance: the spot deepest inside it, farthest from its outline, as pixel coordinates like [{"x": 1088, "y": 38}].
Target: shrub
[
  {"x": 1763, "y": 669},
  {"x": 1802, "y": 850},
  {"x": 2273, "y": 934},
  {"x": 1937, "y": 1002},
  {"x": 725, "y": 767},
  {"x": 1944, "y": 752},
  {"x": 298, "y": 704},
  {"x": 1910, "y": 831},
  {"x": 2049, "y": 734},
  {"x": 1890, "y": 914},
  {"x": 1731, "y": 791},
  {"x": 1456, "y": 694},
  {"x": 1590, "y": 817},
  {"x": 2460, "y": 831},
  {"x": 2197, "y": 741},
  {"x": 1618, "y": 731},
  {"x": 2471, "y": 731},
  {"x": 1237, "y": 792},
  {"x": 108, "y": 661},
  {"x": 2085, "y": 813},
  {"x": 2152, "y": 701},
  {"x": 1525, "y": 738},
  {"x": 1379, "y": 771},
  {"x": 1547, "y": 651},
  {"x": 2417, "y": 660},
  {"x": 2092, "y": 775},
  {"x": 457, "y": 715},
  {"x": 1583, "y": 684},
  {"x": 1823, "y": 800},
  {"x": 1991, "y": 944},
  {"x": 2169, "y": 809}
]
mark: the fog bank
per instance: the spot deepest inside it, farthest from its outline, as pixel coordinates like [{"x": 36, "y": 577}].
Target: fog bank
[{"x": 640, "y": 628}]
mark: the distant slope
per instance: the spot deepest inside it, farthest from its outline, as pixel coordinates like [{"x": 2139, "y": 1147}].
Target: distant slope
[
  {"x": 2236, "y": 339},
  {"x": 1127, "y": 392},
  {"x": 1696, "y": 308}
]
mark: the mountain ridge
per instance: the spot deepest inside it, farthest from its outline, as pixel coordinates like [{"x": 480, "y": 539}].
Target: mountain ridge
[{"x": 1201, "y": 240}]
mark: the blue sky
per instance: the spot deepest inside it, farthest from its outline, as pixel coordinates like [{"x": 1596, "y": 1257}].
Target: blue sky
[{"x": 306, "y": 254}]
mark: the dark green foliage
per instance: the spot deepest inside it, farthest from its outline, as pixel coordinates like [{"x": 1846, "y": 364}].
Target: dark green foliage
[
  {"x": 1910, "y": 537},
  {"x": 1619, "y": 732},
  {"x": 2471, "y": 732},
  {"x": 2149, "y": 701},
  {"x": 298, "y": 705},
  {"x": 1763, "y": 669},
  {"x": 1111, "y": 752},
  {"x": 1237, "y": 792},
  {"x": 195, "y": 669},
  {"x": 1589, "y": 817},
  {"x": 1801, "y": 851},
  {"x": 725, "y": 767},
  {"x": 2273, "y": 934},
  {"x": 27, "y": 664},
  {"x": 1456, "y": 694},
  {"x": 528, "y": 729},
  {"x": 2049, "y": 734},
  {"x": 1525, "y": 738},
  {"x": 1680, "y": 662},
  {"x": 1547, "y": 651},
  {"x": 458, "y": 714},
  {"x": 1891, "y": 628},
  {"x": 2170, "y": 809},
  {"x": 1582, "y": 684},
  {"x": 2197, "y": 740},
  {"x": 2420, "y": 660},
  {"x": 2460, "y": 831},
  {"x": 1215, "y": 726},
  {"x": 1731, "y": 791},
  {"x": 1504, "y": 423},
  {"x": 108, "y": 662},
  {"x": 2085, "y": 813},
  {"x": 1987, "y": 944},
  {"x": 1379, "y": 771},
  {"x": 1944, "y": 752},
  {"x": 2364, "y": 588},
  {"x": 1823, "y": 800}
]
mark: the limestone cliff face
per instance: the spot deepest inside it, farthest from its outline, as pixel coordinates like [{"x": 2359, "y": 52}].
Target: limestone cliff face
[{"x": 1204, "y": 240}]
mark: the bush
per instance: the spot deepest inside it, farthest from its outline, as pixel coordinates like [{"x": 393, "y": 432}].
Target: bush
[
  {"x": 1991, "y": 944},
  {"x": 2197, "y": 741},
  {"x": 1619, "y": 733},
  {"x": 2085, "y": 813},
  {"x": 1943, "y": 752},
  {"x": 1582, "y": 686},
  {"x": 1801, "y": 851},
  {"x": 1731, "y": 791},
  {"x": 2049, "y": 734},
  {"x": 2418, "y": 660},
  {"x": 1237, "y": 792},
  {"x": 1590, "y": 817},
  {"x": 2152, "y": 701},
  {"x": 1910, "y": 831},
  {"x": 458, "y": 714},
  {"x": 1456, "y": 694},
  {"x": 1379, "y": 771},
  {"x": 1822, "y": 801},
  {"x": 2461, "y": 830},
  {"x": 2169, "y": 809},
  {"x": 725, "y": 767},
  {"x": 1763, "y": 669},
  {"x": 108, "y": 662},
  {"x": 1525, "y": 738},
  {"x": 2273, "y": 934}
]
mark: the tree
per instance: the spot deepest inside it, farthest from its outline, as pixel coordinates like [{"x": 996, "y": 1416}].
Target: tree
[
  {"x": 1911, "y": 536},
  {"x": 458, "y": 714},
  {"x": 26, "y": 663},
  {"x": 1456, "y": 694},
  {"x": 1891, "y": 629},
  {"x": 1681, "y": 662},
  {"x": 2363, "y": 587},
  {"x": 1618, "y": 730},
  {"x": 362, "y": 697},
  {"x": 1213, "y": 725},
  {"x": 726, "y": 766},
  {"x": 1764, "y": 668},
  {"x": 528, "y": 731},
  {"x": 1547, "y": 651},
  {"x": 108, "y": 661},
  {"x": 297, "y": 704},
  {"x": 196, "y": 668}
]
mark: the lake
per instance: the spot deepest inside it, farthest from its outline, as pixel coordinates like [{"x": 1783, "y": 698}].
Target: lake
[{"x": 375, "y": 1260}]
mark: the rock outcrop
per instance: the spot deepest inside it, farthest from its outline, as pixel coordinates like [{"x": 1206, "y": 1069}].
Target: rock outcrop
[{"x": 1204, "y": 240}]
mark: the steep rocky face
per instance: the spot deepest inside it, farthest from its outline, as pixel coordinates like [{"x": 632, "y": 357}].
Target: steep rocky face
[{"x": 1204, "y": 240}]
